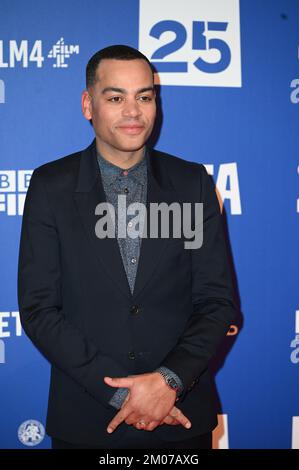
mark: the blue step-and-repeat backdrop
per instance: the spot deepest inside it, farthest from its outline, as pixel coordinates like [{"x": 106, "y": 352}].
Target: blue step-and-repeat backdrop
[{"x": 229, "y": 76}]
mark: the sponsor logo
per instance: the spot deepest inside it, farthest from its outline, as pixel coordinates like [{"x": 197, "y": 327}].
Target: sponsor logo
[{"x": 31, "y": 433}]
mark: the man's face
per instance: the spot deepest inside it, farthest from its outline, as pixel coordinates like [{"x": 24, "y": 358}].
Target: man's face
[{"x": 121, "y": 104}]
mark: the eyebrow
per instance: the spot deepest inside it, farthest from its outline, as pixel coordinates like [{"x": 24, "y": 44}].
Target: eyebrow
[{"x": 122, "y": 90}]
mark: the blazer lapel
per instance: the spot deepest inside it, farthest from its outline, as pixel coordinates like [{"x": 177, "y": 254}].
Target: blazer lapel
[
  {"x": 159, "y": 189},
  {"x": 89, "y": 192}
]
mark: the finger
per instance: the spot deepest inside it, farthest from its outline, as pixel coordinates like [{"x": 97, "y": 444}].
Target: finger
[
  {"x": 133, "y": 418},
  {"x": 180, "y": 417},
  {"x": 125, "y": 400},
  {"x": 118, "y": 419},
  {"x": 139, "y": 425},
  {"x": 152, "y": 425},
  {"x": 147, "y": 427},
  {"x": 125, "y": 382},
  {"x": 170, "y": 420}
]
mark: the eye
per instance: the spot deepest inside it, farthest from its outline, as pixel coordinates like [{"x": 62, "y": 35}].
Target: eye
[
  {"x": 115, "y": 99},
  {"x": 145, "y": 98}
]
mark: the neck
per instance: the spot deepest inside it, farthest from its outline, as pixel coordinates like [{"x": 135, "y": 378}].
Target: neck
[{"x": 120, "y": 158}]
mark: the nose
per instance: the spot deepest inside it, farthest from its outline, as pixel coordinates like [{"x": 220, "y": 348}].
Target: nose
[{"x": 131, "y": 108}]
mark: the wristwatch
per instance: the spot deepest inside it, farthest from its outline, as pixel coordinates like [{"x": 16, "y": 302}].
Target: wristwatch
[{"x": 171, "y": 382}]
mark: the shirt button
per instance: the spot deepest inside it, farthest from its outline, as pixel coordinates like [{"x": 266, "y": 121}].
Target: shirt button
[
  {"x": 126, "y": 190},
  {"x": 133, "y": 260},
  {"x": 131, "y": 355},
  {"x": 130, "y": 224},
  {"x": 125, "y": 173}
]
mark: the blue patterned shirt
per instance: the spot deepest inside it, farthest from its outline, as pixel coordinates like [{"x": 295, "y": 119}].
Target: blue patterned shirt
[{"x": 132, "y": 183}]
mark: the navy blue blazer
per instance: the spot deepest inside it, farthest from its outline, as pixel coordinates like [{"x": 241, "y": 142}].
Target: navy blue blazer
[{"x": 77, "y": 308}]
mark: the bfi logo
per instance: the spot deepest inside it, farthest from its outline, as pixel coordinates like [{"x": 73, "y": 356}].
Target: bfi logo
[{"x": 13, "y": 188}]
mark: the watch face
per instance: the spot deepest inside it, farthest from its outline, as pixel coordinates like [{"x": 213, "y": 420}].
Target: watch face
[{"x": 172, "y": 383}]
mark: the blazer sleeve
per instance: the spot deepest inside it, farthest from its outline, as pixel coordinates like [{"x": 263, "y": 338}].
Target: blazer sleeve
[
  {"x": 40, "y": 302},
  {"x": 212, "y": 295}
]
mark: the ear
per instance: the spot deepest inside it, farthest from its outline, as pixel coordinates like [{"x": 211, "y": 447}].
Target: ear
[{"x": 86, "y": 105}]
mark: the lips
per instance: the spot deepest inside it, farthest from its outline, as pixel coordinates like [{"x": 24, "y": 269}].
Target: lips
[{"x": 131, "y": 129}]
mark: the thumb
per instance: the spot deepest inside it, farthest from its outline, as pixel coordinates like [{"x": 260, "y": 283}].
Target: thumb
[{"x": 124, "y": 382}]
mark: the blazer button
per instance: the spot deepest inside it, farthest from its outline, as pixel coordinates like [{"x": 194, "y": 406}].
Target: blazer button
[
  {"x": 191, "y": 386},
  {"x": 132, "y": 355},
  {"x": 134, "y": 309}
]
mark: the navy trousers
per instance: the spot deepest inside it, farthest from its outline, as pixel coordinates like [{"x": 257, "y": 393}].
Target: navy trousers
[{"x": 140, "y": 439}]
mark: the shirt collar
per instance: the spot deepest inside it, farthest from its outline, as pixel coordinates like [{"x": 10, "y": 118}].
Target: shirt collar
[{"x": 112, "y": 172}]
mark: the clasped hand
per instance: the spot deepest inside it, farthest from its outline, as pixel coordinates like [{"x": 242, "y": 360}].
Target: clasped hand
[{"x": 149, "y": 403}]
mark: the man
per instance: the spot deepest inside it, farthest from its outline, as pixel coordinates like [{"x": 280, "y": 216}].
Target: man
[{"x": 128, "y": 323}]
